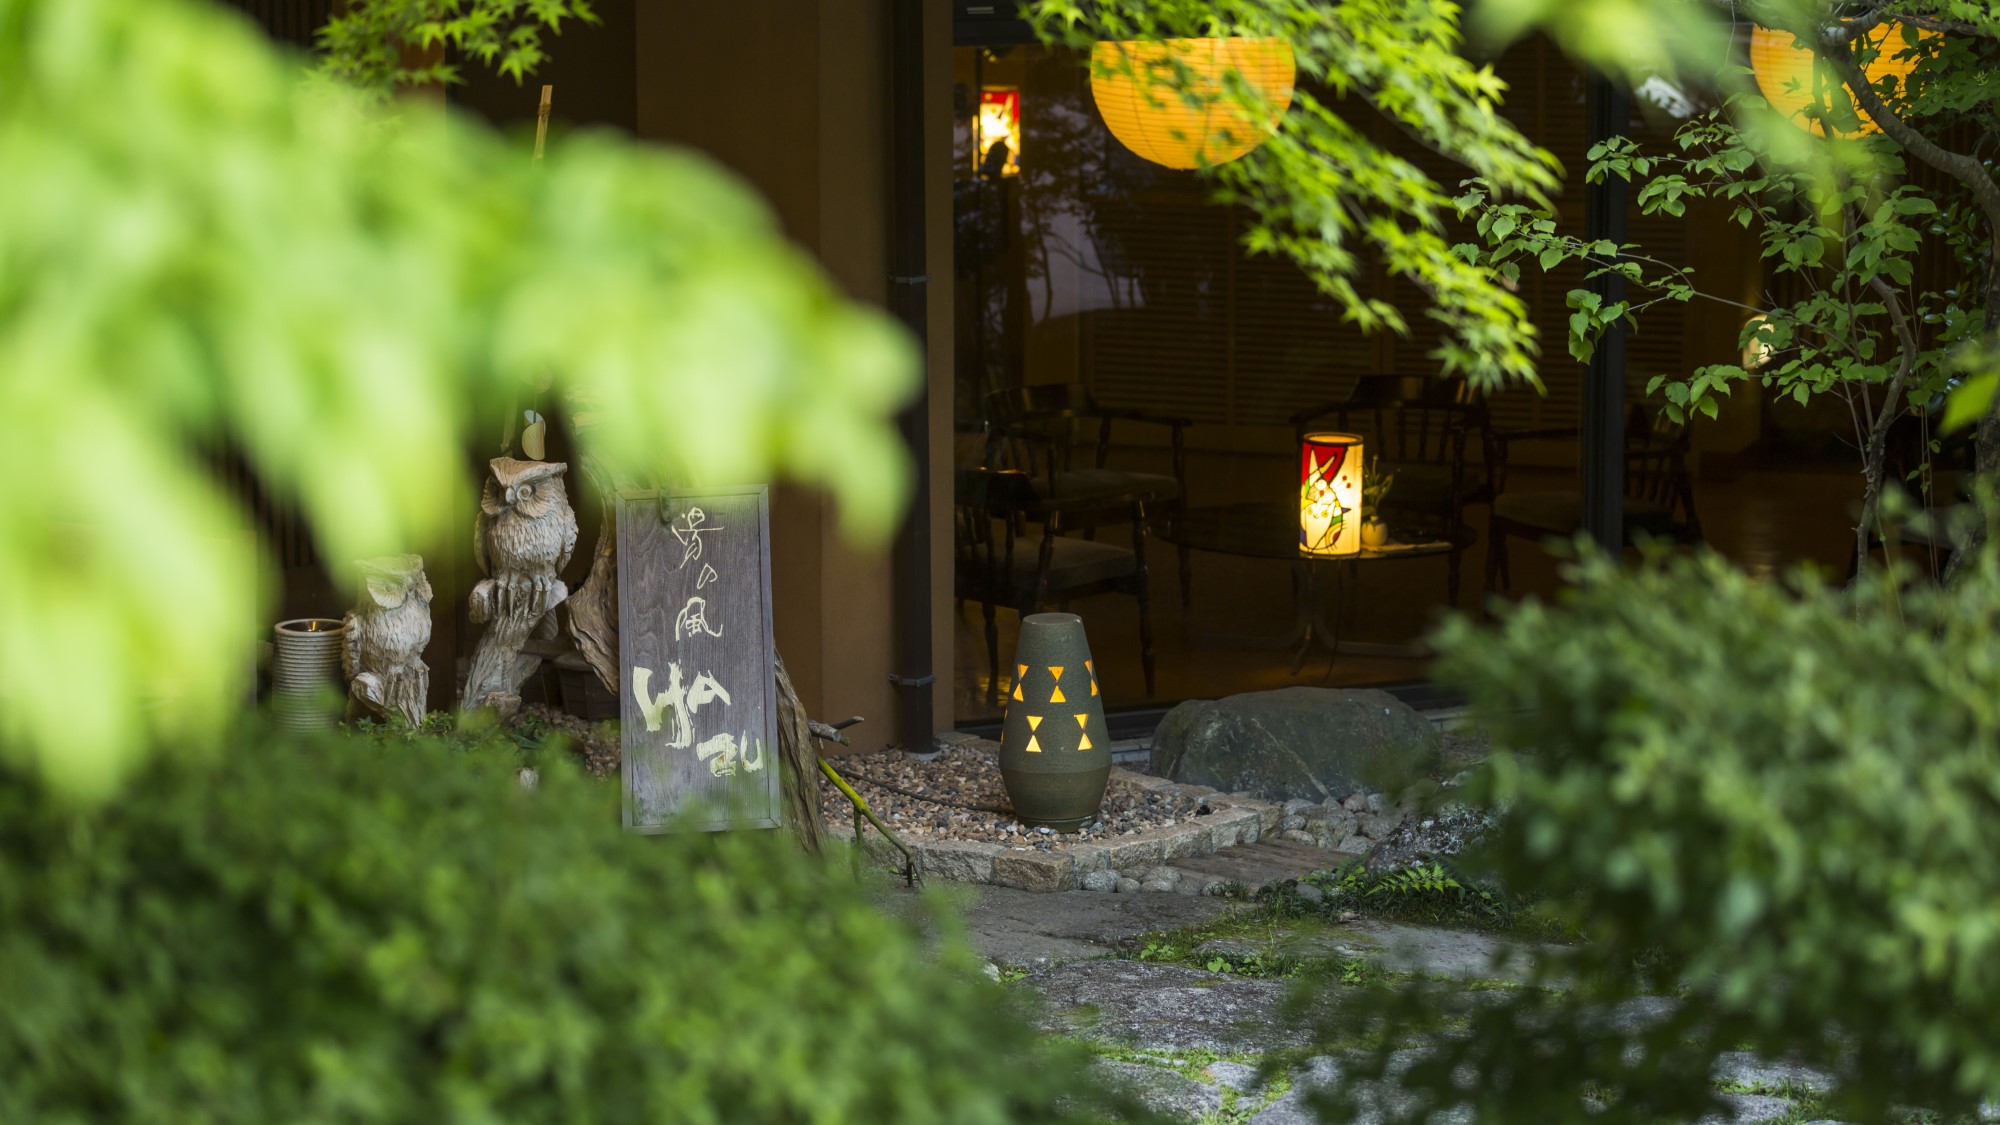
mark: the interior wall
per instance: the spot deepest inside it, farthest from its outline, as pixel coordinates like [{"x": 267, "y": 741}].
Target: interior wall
[{"x": 794, "y": 98}]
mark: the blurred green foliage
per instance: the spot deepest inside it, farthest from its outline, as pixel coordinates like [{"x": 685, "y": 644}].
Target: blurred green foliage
[
  {"x": 391, "y": 930},
  {"x": 1776, "y": 802},
  {"x": 198, "y": 253},
  {"x": 370, "y": 44}
]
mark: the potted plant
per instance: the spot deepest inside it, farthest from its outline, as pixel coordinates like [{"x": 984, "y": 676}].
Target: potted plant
[{"x": 1374, "y": 486}]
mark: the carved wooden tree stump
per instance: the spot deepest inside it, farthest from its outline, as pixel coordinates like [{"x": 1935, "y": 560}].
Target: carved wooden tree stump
[{"x": 593, "y": 609}]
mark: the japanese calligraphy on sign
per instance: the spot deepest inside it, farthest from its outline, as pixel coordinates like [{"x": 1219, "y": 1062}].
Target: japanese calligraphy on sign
[{"x": 697, "y": 700}]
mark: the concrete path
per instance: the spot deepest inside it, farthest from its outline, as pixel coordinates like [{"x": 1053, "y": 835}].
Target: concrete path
[
  {"x": 1190, "y": 1042},
  {"x": 1014, "y": 927}
]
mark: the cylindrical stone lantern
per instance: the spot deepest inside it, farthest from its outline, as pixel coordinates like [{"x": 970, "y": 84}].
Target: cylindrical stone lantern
[{"x": 1055, "y": 754}]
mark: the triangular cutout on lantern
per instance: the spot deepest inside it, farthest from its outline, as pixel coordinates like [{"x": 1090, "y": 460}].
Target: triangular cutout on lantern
[
  {"x": 1017, "y": 691},
  {"x": 1034, "y": 722},
  {"x": 1083, "y": 743},
  {"x": 1088, "y": 668},
  {"x": 1033, "y": 746},
  {"x": 1093, "y": 687},
  {"x": 1057, "y": 697},
  {"x": 1056, "y": 671},
  {"x": 1083, "y": 721},
  {"x": 1021, "y": 671}
]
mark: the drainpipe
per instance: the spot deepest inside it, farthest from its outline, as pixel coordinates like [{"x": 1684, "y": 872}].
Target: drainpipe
[{"x": 909, "y": 300}]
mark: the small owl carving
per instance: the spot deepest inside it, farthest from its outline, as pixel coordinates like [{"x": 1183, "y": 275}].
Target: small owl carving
[
  {"x": 385, "y": 638},
  {"x": 525, "y": 535}
]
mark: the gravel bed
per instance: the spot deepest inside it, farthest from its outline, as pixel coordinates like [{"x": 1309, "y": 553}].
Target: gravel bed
[{"x": 933, "y": 792}]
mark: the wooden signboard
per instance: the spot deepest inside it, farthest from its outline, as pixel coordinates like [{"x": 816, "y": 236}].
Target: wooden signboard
[{"x": 698, "y": 702}]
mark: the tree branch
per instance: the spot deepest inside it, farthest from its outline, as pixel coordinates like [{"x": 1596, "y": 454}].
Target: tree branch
[
  {"x": 1850, "y": 30},
  {"x": 1959, "y": 166}
]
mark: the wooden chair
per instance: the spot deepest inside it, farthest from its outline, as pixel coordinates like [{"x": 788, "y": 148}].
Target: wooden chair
[
  {"x": 1659, "y": 493},
  {"x": 998, "y": 565},
  {"x": 1421, "y": 430},
  {"x": 1039, "y": 429}
]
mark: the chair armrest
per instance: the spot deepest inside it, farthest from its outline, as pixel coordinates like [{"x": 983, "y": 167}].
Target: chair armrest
[
  {"x": 1540, "y": 433},
  {"x": 1129, "y": 414}
]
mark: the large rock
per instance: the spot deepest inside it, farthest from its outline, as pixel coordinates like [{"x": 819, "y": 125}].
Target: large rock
[
  {"x": 1447, "y": 830},
  {"x": 1307, "y": 743}
]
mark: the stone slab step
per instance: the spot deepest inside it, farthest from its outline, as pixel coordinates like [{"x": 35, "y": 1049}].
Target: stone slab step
[{"x": 1261, "y": 863}]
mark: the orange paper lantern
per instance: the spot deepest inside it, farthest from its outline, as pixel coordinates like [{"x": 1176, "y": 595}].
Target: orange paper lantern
[
  {"x": 1791, "y": 78},
  {"x": 1152, "y": 117}
]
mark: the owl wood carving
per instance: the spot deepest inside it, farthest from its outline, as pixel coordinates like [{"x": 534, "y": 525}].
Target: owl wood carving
[
  {"x": 524, "y": 536},
  {"x": 385, "y": 638}
]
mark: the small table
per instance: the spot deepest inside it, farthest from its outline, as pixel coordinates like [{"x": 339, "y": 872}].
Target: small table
[{"x": 1271, "y": 531}]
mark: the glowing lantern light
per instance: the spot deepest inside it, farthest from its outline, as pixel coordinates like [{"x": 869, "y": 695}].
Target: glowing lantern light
[
  {"x": 1791, "y": 78},
  {"x": 999, "y": 122},
  {"x": 1757, "y": 350},
  {"x": 1330, "y": 494},
  {"x": 1150, "y": 116},
  {"x": 1054, "y": 777}
]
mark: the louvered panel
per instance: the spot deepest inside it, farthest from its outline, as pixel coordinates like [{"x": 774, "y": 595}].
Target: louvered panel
[
  {"x": 1170, "y": 352},
  {"x": 1160, "y": 360},
  {"x": 288, "y": 21},
  {"x": 1226, "y": 338},
  {"x": 1543, "y": 99},
  {"x": 1292, "y": 350},
  {"x": 1658, "y": 346}
]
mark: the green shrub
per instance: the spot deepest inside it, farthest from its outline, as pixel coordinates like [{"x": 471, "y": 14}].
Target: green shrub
[
  {"x": 380, "y": 930},
  {"x": 1776, "y": 802},
  {"x": 1434, "y": 892}
]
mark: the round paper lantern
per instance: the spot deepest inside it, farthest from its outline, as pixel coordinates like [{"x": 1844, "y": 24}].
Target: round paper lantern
[
  {"x": 1148, "y": 115},
  {"x": 1791, "y": 78},
  {"x": 1330, "y": 494},
  {"x": 1055, "y": 755}
]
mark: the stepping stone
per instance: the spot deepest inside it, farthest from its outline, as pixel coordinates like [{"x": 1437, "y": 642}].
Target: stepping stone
[
  {"x": 1262, "y": 863},
  {"x": 1746, "y": 1109},
  {"x": 1747, "y": 1069},
  {"x": 1016, "y": 927},
  {"x": 1153, "y": 1007},
  {"x": 1163, "y": 1091}
]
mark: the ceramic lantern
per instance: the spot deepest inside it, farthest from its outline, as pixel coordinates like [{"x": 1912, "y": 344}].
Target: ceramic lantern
[{"x": 1055, "y": 754}]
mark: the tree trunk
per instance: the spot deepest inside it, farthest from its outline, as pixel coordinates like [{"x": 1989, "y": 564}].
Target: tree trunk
[
  {"x": 799, "y": 764},
  {"x": 593, "y": 609},
  {"x": 511, "y": 610}
]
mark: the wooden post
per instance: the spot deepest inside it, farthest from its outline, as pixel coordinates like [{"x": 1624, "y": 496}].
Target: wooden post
[{"x": 542, "y": 119}]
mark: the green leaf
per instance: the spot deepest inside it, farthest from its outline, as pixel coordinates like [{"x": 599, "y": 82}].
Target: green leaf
[{"x": 1972, "y": 401}]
